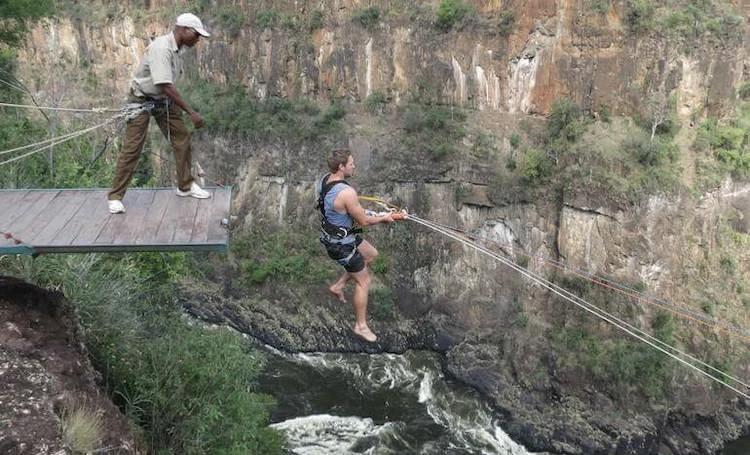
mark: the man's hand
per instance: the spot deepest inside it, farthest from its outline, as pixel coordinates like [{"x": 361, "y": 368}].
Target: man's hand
[
  {"x": 196, "y": 119},
  {"x": 398, "y": 216}
]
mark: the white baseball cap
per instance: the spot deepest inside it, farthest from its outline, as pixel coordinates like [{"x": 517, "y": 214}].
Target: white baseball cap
[{"x": 191, "y": 21}]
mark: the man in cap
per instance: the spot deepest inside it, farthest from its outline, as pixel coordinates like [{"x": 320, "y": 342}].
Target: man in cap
[{"x": 153, "y": 83}]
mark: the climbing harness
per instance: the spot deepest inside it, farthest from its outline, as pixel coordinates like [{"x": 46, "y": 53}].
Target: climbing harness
[{"x": 332, "y": 233}]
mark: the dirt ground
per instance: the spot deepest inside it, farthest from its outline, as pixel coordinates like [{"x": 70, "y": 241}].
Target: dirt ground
[{"x": 45, "y": 374}]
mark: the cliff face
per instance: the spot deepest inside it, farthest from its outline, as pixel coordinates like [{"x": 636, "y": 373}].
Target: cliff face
[
  {"x": 545, "y": 51},
  {"x": 497, "y": 329}
]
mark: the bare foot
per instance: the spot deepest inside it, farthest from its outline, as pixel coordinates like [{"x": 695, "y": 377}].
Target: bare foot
[
  {"x": 365, "y": 333},
  {"x": 338, "y": 293}
]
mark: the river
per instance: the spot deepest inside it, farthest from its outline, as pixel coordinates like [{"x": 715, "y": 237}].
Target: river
[{"x": 378, "y": 404}]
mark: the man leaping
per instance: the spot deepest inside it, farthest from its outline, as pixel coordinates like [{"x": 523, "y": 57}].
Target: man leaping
[{"x": 340, "y": 209}]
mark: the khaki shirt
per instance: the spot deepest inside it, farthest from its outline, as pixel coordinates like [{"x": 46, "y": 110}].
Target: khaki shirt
[{"x": 161, "y": 64}]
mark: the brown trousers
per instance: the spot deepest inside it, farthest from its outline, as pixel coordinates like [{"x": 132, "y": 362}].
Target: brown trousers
[{"x": 171, "y": 124}]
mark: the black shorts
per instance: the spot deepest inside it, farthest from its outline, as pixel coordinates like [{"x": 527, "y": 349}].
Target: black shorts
[{"x": 346, "y": 254}]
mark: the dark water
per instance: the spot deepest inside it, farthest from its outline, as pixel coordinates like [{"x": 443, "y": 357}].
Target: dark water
[
  {"x": 379, "y": 404},
  {"x": 739, "y": 447}
]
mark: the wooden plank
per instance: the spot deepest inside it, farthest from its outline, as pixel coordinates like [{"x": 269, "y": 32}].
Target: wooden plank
[
  {"x": 168, "y": 226},
  {"x": 183, "y": 223},
  {"x": 118, "y": 222},
  {"x": 28, "y": 222},
  {"x": 65, "y": 206},
  {"x": 200, "y": 224},
  {"x": 57, "y": 221},
  {"x": 146, "y": 234},
  {"x": 20, "y": 206},
  {"x": 10, "y": 205},
  {"x": 90, "y": 219},
  {"x": 133, "y": 220},
  {"x": 217, "y": 233}
]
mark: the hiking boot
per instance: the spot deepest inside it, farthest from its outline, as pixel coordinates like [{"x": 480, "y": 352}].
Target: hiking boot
[
  {"x": 115, "y": 206},
  {"x": 194, "y": 191}
]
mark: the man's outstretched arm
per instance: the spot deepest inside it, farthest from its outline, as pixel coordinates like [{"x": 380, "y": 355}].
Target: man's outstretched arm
[{"x": 176, "y": 98}]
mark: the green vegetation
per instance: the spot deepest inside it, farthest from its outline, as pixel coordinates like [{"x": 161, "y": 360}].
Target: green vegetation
[
  {"x": 189, "y": 388},
  {"x": 316, "y": 20},
  {"x": 375, "y": 102},
  {"x": 381, "y": 265},
  {"x": 453, "y": 14},
  {"x": 599, "y": 6},
  {"x": 267, "y": 18},
  {"x": 617, "y": 363},
  {"x": 367, "y": 17},
  {"x": 640, "y": 15},
  {"x": 433, "y": 129},
  {"x": 744, "y": 91},
  {"x": 286, "y": 256},
  {"x": 728, "y": 143},
  {"x": 231, "y": 19},
  {"x": 507, "y": 23},
  {"x": 15, "y": 15},
  {"x": 296, "y": 120},
  {"x": 382, "y": 303},
  {"x": 688, "y": 20}
]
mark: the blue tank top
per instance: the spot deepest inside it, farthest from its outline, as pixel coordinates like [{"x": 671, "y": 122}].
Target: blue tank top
[{"x": 334, "y": 217}]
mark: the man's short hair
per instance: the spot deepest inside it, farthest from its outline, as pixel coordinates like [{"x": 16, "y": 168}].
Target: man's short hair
[{"x": 338, "y": 157}]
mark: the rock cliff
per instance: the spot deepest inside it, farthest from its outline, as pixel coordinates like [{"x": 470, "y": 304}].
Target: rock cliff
[{"x": 502, "y": 334}]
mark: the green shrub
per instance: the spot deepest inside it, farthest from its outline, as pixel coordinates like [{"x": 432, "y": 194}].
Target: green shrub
[
  {"x": 381, "y": 265},
  {"x": 367, "y": 17},
  {"x": 382, "y": 303},
  {"x": 316, "y": 20},
  {"x": 375, "y": 102},
  {"x": 535, "y": 166},
  {"x": 433, "y": 129},
  {"x": 599, "y": 6},
  {"x": 727, "y": 264},
  {"x": 188, "y": 387},
  {"x": 281, "y": 255},
  {"x": 515, "y": 140},
  {"x": 452, "y": 14},
  {"x": 507, "y": 23},
  {"x": 267, "y": 18},
  {"x": 639, "y": 17},
  {"x": 231, "y": 19},
  {"x": 728, "y": 142},
  {"x": 744, "y": 91},
  {"x": 295, "y": 120}
]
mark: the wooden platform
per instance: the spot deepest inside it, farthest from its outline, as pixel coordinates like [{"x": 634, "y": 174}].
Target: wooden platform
[{"x": 78, "y": 221}]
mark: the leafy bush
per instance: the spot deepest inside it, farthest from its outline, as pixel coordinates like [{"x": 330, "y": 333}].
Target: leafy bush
[
  {"x": 286, "y": 256},
  {"x": 375, "y": 102},
  {"x": 316, "y": 20},
  {"x": 744, "y": 91},
  {"x": 367, "y": 17},
  {"x": 727, "y": 142},
  {"x": 434, "y": 129},
  {"x": 296, "y": 120},
  {"x": 382, "y": 303},
  {"x": 452, "y": 14},
  {"x": 231, "y": 19},
  {"x": 189, "y": 388},
  {"x": 506, "y": 23},
  {"x": 267, "y": 18},
  {"x": 639, "y": 17},
  {"x": 381, "y": 265}
]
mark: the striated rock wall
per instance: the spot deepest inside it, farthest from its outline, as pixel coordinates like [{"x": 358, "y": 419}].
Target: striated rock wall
[
  {"x": 450, "y": 298},
  {"x": 551, "y": 50}
]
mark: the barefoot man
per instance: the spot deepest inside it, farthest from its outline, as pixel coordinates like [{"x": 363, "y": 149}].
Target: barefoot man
[{"x": 340, "y": 210}]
